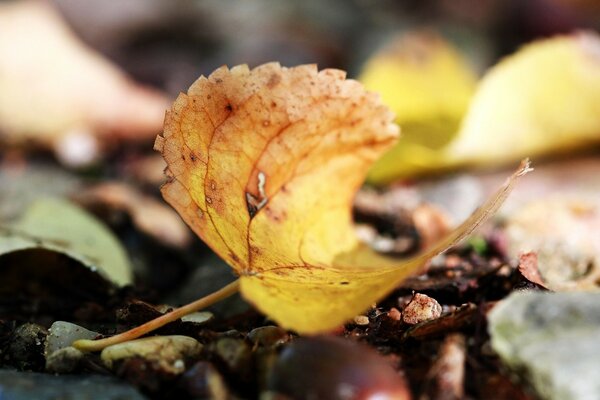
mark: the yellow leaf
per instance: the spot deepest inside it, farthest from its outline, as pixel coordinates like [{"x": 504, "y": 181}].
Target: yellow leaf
[
  {"x": 263, "y": 164},
  {"x": 545, "y": 98},
  {"x": 428, "y": 84}
]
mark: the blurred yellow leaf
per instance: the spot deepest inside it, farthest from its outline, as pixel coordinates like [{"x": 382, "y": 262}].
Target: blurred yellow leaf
[
  {"x": 263, "y": 164},
  {"x": 428, "y": 84},
  {"x": 545, "y": 98}
]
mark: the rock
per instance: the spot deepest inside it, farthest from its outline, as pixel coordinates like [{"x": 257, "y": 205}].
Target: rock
[
  {"x": 198, "y": 317},
  {"x": 64, "y": 361},
  {"x": 268, "y": 336},
  {"x": 553, "y": 338},
  {"x": 168, "y": 353},
  {"x": 421, "y": 308},
  {"x": 333, "y": 368},
  {"x": 361, "y": 320},
  {"x": 202, "y": 381},
  {"x": 63, "y": 334},
  {"x": 235, "y": 355},
  {"x": 26, "y": 347},
  {"x": 28, "y": 385}
]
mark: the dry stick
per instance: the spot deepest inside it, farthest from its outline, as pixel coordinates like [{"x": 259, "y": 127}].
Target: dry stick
[{"x": 97, "y": 345}]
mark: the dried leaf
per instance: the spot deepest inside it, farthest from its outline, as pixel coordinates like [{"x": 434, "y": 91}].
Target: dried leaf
[
  {"x": 545, "y": 98},
  {"x": 57, "y": 92},
  {"x": 528, "y": 267},
  {"x": 263, "y": 164}
]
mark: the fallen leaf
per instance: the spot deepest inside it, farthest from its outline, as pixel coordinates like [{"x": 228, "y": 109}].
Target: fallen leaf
[
  {"x": 427, "y": 82},
  {"x": 149, "y": 215},
  {"x": 62, "y": 228},
  {"x": 57, "y": 92},
  {"x": 543, "y": 99},
  {"x": 263, "y": 165},
  {"x": 528, "y": 267}
]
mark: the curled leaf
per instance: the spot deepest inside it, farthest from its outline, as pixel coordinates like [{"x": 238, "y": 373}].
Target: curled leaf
[{"x": 263, "y": 164}]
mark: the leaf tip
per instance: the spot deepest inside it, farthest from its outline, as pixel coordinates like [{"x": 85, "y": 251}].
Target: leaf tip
[{"x": 524, "y": 168}]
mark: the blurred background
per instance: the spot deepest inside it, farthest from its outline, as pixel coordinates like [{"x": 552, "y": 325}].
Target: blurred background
[{"x": 169, "y": 44}]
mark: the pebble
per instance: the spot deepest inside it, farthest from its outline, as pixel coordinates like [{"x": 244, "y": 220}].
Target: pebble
[
  {"x": 198, "y": 317},
  {"x": 62, "y": 334},
  {"x": 421, "y": 308},
  {"x": 202, "y": 381},
  {"x": 268, "y": 336},
  {"x": 169, "y": 353},
  {"x": 236, "y": 355},
  {"x": 26, "y": 350},
  {"x": 361, "y": 320},
  {"x": 552, "y": 339},
  {"x": 395, "y": 314},
  {"x": 64, "y": 361}
]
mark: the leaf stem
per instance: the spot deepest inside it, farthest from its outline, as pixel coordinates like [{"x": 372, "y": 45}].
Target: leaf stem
[{"x": 97, "y": 345}]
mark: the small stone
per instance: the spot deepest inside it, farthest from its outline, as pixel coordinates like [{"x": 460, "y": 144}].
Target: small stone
[
  {"x": 236, "y": 355},
  {"x": 26, "y": 350},
  {"x": 167, "y": 352},
  {"x": 202, "y": 381},
  {"x": 395, "y": 314},
  {"x": 361, "y": 320},
  {"x": 421, "y": 308},
  {"x": 62, "y": 334},
  {"x": 553, "y": 339},
  {"x": 268, "y": 336},
  {"x": 64, "y": 361},
  {"x": 198, "y": 317}
]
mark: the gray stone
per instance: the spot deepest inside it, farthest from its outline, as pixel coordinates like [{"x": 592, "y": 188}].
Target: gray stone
[
  {"x": 553, "y": 339},
  {"x": 63, "y": 334},
  {"x": 64, "y": 361},
  {"x": 28, "y": 385}
]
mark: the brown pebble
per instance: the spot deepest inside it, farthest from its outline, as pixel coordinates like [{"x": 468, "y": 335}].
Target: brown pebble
[
  {"x": 421, "y": 308},
  {"x": 395, "y": 314},
  {"x": 361, "y": 320}
]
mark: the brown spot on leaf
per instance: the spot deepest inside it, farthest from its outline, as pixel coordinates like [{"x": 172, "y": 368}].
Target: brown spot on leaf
[{"x": 273, "y": 80}]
